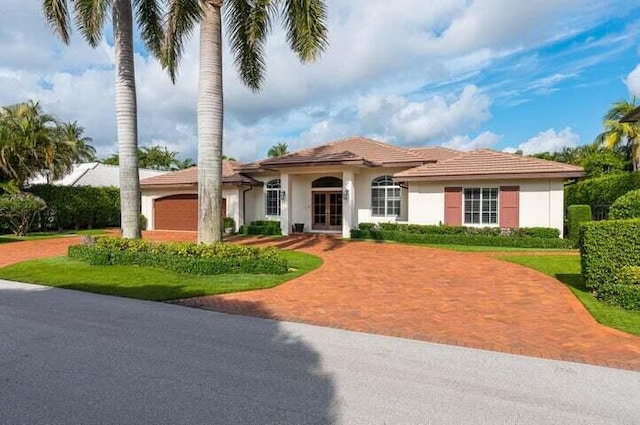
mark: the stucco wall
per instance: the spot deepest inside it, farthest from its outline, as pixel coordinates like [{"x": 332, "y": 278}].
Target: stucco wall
[
  {"x": 541, "y": 202},
  {"x": 363, "y": 196}
]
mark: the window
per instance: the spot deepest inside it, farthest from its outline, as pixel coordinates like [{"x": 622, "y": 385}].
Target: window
[
  {"x": 273, "y": 191},
  {"x": 385, "y": 197},
  {"x": 481, "y": 206}
]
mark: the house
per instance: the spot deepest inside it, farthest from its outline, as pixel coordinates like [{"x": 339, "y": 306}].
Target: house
[
  {"x": 336, "y": 186},
  {"x": 93, "y": 174}
]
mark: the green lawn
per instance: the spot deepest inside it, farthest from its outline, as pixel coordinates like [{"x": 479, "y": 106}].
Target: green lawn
[
  {"x": 567, "y": 270},
  {"x": 49, "y": 235},
  {"x": 147, "y": 282}
]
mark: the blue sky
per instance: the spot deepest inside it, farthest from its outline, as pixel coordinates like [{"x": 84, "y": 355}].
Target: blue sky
[{"x": 460, "y": 73}]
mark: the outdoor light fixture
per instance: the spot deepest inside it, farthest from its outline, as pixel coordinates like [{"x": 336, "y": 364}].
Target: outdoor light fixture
[
  {"x": 283, "y": 195},
  {"x": 345, "y": 194}
]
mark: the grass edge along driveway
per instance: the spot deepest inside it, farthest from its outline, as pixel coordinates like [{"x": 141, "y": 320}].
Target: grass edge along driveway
[
  {"x": 149, "y": 283},
  {"x": 567, "y": 270}
]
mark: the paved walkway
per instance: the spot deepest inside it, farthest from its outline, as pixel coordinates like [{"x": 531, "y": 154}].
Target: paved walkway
[{"x": 414, "y": 292}]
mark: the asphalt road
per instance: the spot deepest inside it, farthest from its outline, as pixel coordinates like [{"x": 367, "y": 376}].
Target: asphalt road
[{"x": 76, "y": 358}]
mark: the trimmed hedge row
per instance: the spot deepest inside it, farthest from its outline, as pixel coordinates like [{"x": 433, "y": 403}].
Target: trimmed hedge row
[
  {"x": 261, "y": 227},
  {"x": 181, "y": 257},
  {"x": 627, "y": 206},
  {"x": 576, "y": 215},
  {"x": 601, "y": 190},
  {"x": 78, "y": 207},
  {"x": 610, "y": 261},
  {"x": 463, "y": 239},
  {"x": 535, "y": 232}
]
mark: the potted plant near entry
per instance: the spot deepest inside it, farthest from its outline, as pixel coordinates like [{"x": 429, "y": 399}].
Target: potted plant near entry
[{"x": 229, "y": 225}]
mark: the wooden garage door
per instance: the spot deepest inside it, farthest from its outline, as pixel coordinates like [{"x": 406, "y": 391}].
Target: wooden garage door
[{"x": 179, "y": 212}]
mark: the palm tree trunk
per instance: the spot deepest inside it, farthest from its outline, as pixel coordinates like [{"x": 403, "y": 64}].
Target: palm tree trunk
[
  {"x": 127, "y": 119},
  {"x": 210, "y": 104}
]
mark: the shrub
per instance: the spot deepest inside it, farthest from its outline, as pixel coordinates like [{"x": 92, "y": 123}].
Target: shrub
[
  {"x": 229, "y": 222},
  {"x": 576, "y": 215},
  {"x": 626, "y": 206},
  {"x": 367, "y": 226},
  {"x": 19, "y": 210},
  {"x": 262, "y": 227},
  {"x": 603, "y": 163},
  {"x": 181, "y": 257},
  {"x": 537, "y": 232},
  {"x": 610, "y": 255},
  {"x": 71, "y": 207},
  {"x": 463, "y": 239},
  {"x": 143, "y": 222},
  {"x": 601, "y": 190}
]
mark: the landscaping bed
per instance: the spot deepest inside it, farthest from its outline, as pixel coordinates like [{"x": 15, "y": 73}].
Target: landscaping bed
[
  {"x": 181, "y": 257},
  {"x": 535, "y": 237},
  {"x": 150, "y": 283}
]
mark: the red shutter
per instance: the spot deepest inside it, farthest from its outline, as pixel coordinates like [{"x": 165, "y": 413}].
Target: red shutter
[
  {"x": 510, "y": 206},
  {"x": 453, "y": 206}
]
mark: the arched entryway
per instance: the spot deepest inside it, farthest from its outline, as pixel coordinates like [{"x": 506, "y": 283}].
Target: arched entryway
[{"x": 326, "y": 199}]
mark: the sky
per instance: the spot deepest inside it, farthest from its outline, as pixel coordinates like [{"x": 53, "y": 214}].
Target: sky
[{"x": 466, "y": 74}]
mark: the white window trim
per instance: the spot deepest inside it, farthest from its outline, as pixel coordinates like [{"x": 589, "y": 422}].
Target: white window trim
[
  {"x": 386, "y": 188},
  {"x": 497, "y": 223},
  {"x": 266, "y": 198}
]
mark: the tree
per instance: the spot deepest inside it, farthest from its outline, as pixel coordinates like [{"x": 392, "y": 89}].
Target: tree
[
  {"x": 35, "y": 143},
  {"x": 155, "y": 158},
  {"x": 602, "y": 163},
  {"x": 617, "y": 134},
  {"x": 279, "y": 149},
  {"x": 248, "y": 25},
  {"x": 90, "y": 17}
]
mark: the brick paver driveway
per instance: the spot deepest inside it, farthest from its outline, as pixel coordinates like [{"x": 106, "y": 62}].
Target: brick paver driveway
[{"x": 428, "y": 294}]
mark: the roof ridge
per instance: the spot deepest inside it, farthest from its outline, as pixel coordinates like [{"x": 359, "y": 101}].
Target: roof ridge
[{"x": 525, "y": 157}]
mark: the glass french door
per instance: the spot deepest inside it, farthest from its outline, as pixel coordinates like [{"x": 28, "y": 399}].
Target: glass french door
[{"x": 327, "y": 211}]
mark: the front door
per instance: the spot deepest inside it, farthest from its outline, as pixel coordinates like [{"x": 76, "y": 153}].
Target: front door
[{"x": 327, "y": 211}]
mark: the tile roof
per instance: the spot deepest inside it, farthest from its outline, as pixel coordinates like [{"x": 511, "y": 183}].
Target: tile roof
[
  {"x": 189, "y": 176},
  {"x": 350, "y": 150},
  {"x": 488, "y": 164},
  {"x": 435, "y": 153}
]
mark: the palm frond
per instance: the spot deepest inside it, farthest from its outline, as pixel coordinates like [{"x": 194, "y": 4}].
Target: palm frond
[
  {"x": 181, "y": 18},
  {"x": 249, "y": 23},
  {"x": 149, "y": 19},
  {"x": 90, "y": 18},
  {"x": 56, "y": 14},
  {"x": 305, "y": 22}
]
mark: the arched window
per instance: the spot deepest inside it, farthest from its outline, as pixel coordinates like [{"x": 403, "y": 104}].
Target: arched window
[
  {"x": 273, "y": 189},
  {"x": 385, "y": 197}
]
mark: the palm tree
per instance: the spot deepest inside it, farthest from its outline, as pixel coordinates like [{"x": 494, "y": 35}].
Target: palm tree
[
  {"x": 618, "y": 133},
  {"x": 279, "y": 149},
  {"x": 90, "y": 16},
  {"x": 248, "y": 24},
  {"x": 27, "y": 141},
  {"x": 73, "y": 134}
]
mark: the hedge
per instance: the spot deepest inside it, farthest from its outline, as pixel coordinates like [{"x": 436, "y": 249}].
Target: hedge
[
  {"x": 576, "y": 215},
  {"x": 463, "y": 239},
  {"x": 181, "y": 257},
  {"x": 261, "y": 227},
  {"x": 536, "y": 232},
  {"x": 610, "y": 257},
  {"x": 626, "y": 206},
  {"x": 71, "y": 207},
  {"x": 601, "y": 190}
]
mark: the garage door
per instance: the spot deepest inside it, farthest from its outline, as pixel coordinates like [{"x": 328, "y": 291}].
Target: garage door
[{"x": 178, "y": 212}]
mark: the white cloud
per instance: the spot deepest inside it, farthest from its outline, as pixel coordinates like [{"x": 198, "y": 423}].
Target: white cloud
[
  {"x": 548, "y": 141},
  {"x": 633, "y": 81},
  {"x": 487, "y": 139},
  {"x": 377, "y": 77}
]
